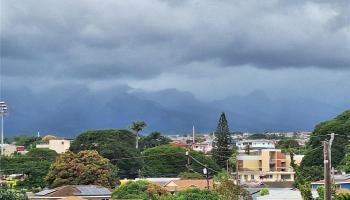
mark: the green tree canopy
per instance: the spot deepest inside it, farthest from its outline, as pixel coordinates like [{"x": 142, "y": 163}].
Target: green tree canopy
[
  {"x": 27, "y": 141},
  {"x": 190, "y": 175},
  {"x": 84, "y": 168},
  {"x": 287, "y": 143},
  {"x": 35, "y": 165},
  {"x": 116, "y": 145},
  {"x": 152, "y": 140},
  {"x": 170, "y": 161},
  {"x": 257, "y": 136},
  {"x": 345, "y": 163},
  {"x": 11, "y": 194},
  {"x": 221, "y": 149},
  {"x": 194, "y": 194},
  {"x": 341, "y": 127},
  {"x": 139, "y": 190}
]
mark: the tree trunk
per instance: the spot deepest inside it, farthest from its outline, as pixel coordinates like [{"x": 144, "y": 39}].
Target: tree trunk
[{"x": 137, "y": 139}]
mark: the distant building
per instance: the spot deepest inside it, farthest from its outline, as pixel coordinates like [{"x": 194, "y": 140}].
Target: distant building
[
  {"x": 9, "y": 149},
  {"x": 341, "y": 182},
  {"x": 179, "y": 185},
  {"x": 266, "y": 165},
  {"x": 204, "y": 147},
  {"x": 58, "y": 145},
  {"x": 89, "y": 192},
  {"x": 256, "y": 144}
]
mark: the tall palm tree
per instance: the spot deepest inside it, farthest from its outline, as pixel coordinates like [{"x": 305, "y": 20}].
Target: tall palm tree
[{"x": 137, "y": 126}]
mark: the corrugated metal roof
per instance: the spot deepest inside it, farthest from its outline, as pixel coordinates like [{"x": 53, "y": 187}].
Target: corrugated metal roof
[{"x": 45, "y": 192}]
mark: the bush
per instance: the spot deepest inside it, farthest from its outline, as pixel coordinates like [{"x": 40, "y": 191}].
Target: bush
[
  {"x": 264, "y": 191},
  {"x": 139, "y": 190},
  {"x": 194, "y": 194}
]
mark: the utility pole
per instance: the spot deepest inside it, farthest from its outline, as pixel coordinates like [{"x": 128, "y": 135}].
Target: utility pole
[
  {"x": 330, "y": 157},
  {"x": 3, "y": 111},
  {"x": 327, "y": 171}
]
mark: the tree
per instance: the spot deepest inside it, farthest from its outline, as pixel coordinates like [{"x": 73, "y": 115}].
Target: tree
[
  {"x": 139, "y": 190},
  {"x": 47, "y": 138},
  {"x": 116, "y": 145},
  {"x": 287, "y": 143},
  {"x": 257, "y": 136},
  {"x": 227, "y": 189},
  {"x": 137, "y": 126},
  {"x": 84, "y": 168},
  {"x": 190, "y": 175},
  {"x": 221, "y": 149},
  {"x": 170, "y": 161},
  {"x": 27, "y": 141},
  {"x": 247, "y": 149},
  {"x": 264, "y": 191},
  {"x": 11, "y": 194},
  {"x": 233, "y": 159},
  {"x": 152, "y": 140},
  {"x": 35, "y": 165},
  {"x": 345, "y": 163},
  {"x": 194, "y": 194},
  {"x": 340, "y": 125}
]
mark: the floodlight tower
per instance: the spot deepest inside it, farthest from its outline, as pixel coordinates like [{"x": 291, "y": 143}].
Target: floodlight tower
[{"x": 3, "y": 111}]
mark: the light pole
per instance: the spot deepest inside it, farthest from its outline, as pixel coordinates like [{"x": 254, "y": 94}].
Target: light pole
[
  {"x": 205, "y": 172},
  {"x": 3, "y": 111}
]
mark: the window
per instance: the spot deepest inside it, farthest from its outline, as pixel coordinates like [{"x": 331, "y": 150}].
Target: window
[
  {"x": 245, "y": 177},
  {"x": 252, "y": 177},
  {"x": 285, "y": 176},
  {"x": 62, "y": 142}
]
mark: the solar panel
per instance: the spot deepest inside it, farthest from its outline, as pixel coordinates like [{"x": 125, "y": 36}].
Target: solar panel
[
  {"x": 45, "y": 192},
  {"x": 92, "y": 190}
]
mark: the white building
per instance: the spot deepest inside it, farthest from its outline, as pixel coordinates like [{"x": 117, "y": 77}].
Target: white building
[
  {"x": 9, "y": 149},
  {"x": 60, "y": 146},
  {"x": 256, "y": 144}
]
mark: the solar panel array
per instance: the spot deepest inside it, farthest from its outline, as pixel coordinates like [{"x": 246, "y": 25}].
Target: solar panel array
[
  {"x": 45, "y": 192},
  {"x": 92, "y": 190}
]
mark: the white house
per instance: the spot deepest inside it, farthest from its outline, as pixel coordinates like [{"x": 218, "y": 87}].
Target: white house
[{"x": 256, "y": 144}]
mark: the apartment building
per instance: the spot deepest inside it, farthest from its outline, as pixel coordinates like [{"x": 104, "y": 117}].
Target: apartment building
[{"x": 266, "y": 165}]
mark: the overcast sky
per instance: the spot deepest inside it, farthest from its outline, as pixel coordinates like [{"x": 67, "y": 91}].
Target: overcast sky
[{"x": 212, "y": 49}]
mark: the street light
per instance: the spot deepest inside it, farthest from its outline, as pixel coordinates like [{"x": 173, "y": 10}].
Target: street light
[
  {"x": 205, "y": 172},
  {"x": 3, "y": 111}
]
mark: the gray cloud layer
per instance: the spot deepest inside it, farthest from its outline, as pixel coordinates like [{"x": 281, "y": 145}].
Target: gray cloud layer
[{"x": 142, "y": 39}]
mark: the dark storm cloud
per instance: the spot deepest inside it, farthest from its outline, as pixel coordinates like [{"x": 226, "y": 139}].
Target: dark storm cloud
[{"x": 109, "y": 39}]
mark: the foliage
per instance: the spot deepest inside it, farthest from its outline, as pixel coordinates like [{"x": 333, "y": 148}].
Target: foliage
[
  {"x": 190, "y": 175},
  {"x": 345, "y": 163},
  {"x": 287, "y": 143},
  {"x": 221, "y": 149},
  {"x": 139, "y": 190},
  {"x": 84, "y": 168},
  {"x": 42, "y": 153},
  {"x": 152, "y": 140},
  {"x": 194, "y": 194},
  {"x": 305, "y": 190},
  {"x": 343, "y": 196},
  {"x": 170, "y": 161},
  {"x": 257, "y": 136},
  {"x": 233, "y": 159},
  {"x": 11, "y": 194},
  {"x": 340, "y": 126},
  {"x": 35, "y": 165},
  {"x": 112, "y": 144},
  {"x": 228, "y": 190},
  {"x": 247, "y": 149},
  {"x": 47, "y": 138},
  {"x": 27, "y": 141},
  {"x": 223, "y": 175},
  {"x": 320, "y": 192},
  {"x": 264, "y": 191}
]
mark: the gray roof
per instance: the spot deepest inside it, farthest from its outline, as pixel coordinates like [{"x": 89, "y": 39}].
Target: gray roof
[
  {"x": 92, "y": 190},
  {"x": 45, "y": 192}
]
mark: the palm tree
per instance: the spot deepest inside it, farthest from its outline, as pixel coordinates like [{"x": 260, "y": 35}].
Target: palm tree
[{"x": 137, "y": 126}]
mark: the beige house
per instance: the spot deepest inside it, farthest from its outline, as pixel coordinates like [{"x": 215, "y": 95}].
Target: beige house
[
  {"x": 9, "y": 149},
  {"x": 266, "y": 165},
  {"x": 179, "y": 185},
  {"x": 58, "y": 145}
]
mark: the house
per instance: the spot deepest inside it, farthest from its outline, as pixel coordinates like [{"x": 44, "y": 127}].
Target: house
[
  {"x": 204, "y": 147},
  {"x": 88, "y": 192},
  {"x": 58, "y": 145},
  {"x": 159, "y": 181},
  {"x": 266, "y": 165},
  {"x": 341, "y": 182},
  {"x": 179, "y": 185},
  {"x": 256, "y": 144},
  {"x": 9, "y": 149}
]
